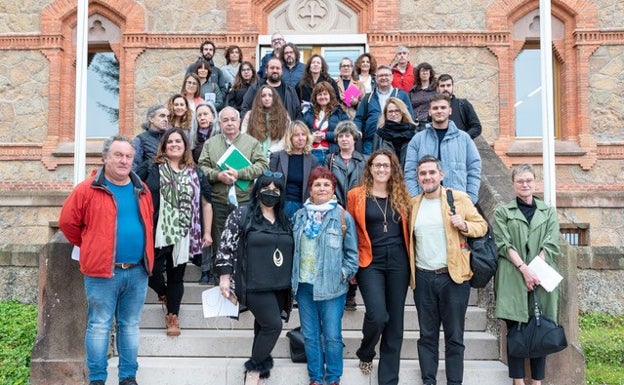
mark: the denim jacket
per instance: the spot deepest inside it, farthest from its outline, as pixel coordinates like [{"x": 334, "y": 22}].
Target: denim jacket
[{"x": 336, "y": 254}]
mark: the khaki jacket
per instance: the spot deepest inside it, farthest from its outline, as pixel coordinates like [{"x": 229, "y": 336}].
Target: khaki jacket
[{"x": 458, "y": 254}]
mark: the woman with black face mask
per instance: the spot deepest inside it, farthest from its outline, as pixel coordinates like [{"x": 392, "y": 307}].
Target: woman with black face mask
[{"x": 254, "y": 265}]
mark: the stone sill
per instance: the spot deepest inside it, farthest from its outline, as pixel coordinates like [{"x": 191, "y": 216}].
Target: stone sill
[
  {"x": 532, "y": 147},
  {"x": 600, "y": 258},
  {"x": 32, "y": 198},
  {"x": 595, "y": 199},
  {"x": 66, "y": 149},
  {"x": 20, "y": 255}
]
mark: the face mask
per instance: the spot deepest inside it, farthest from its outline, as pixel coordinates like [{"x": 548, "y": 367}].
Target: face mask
[{"x": 269, "y": 198}]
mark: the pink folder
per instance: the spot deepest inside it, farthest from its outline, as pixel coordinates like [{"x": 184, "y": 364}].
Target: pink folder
[{"x": 351, "y": 92}]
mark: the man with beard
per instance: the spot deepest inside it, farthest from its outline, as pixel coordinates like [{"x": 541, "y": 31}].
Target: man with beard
[
  {"x": 274, "y": 79},
  {"x": 439, "y": 259},
  {"x": 293, "y": 68},
  {"x": 207, "y": 49},
  {"x": 463, "y": 114},
  {"x": 454, "y": 148}
]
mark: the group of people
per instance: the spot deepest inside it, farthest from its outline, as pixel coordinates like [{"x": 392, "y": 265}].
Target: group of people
[{"x": 323, "y": 200}]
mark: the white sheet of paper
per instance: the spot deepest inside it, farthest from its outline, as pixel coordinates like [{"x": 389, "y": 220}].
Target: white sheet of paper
[
  {"x": 215, "y": 305},
  {"x": 549, "y": 277},
  {"x": 75, "y": 253}
]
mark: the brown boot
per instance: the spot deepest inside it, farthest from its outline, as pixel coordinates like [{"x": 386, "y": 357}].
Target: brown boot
[{"x": 173, "y": 326}]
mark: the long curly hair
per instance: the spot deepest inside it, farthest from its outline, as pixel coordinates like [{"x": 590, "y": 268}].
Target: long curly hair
[
  {"x": 275, "y": 116},
  {"x": 397, "y": 192},
  {"x": 333, "y": 101},
  {"x": 186, "y": 120}
]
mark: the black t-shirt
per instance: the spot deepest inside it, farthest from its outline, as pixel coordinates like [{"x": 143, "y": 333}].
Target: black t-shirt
[{"x": 375, "y": 223}]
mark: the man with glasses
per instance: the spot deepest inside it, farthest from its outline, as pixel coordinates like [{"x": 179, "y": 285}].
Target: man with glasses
[
  {"x": 370, "y": 109},
  {"x": 293, "y": 68},
  {"x": 454, "y": 148},
  {"x": 277, "y": 42},
  {"x": 226, "y": 192}
]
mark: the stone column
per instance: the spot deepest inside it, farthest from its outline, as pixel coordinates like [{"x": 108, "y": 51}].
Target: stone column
[{"x": 58, "y": 353}]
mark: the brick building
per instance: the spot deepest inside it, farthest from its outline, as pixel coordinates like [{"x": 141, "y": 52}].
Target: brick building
[{"x": 484, "y": 45}]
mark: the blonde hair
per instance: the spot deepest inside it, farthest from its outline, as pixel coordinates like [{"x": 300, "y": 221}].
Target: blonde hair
[{"x": 290, "y": 132}]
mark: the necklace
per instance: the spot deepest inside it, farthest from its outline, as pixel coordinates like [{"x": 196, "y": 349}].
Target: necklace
[{"x": 383, "y": 212}]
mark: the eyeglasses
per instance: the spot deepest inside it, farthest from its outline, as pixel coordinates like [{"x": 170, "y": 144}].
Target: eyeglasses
[
  {"x": 392, "y": 112},
  {"x": 190, "y": 83},
  {"x": 384, "y": 75},
  {"x": 276, "y": 175},
  {"x": 524, "y": 181},
  {"x": 245, "y": 69},
  {"x": 377, "y": 166},
  {"x": 345, "y": 66}
]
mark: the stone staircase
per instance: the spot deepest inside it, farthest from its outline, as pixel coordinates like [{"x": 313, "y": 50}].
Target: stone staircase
[{"x": 212, "y": 351}]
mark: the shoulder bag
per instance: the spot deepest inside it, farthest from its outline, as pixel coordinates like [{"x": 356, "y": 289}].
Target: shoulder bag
[
  {"x": 536, "y": 338},
  {"x": 483, "y": 253}
]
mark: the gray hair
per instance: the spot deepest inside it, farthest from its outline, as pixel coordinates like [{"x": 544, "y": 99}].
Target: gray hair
[
  {"x": 229, "y": 108},
  {"x": 151, "y": 112},
  {"x": 195, "y": 125},
  {"x": 347, "y": 126},
  {"x": 402, "y": 48},
  {"x": 384, "y": 67},
  {"x": 521, "y": 168},
  {"x": 108, "y": 142}
]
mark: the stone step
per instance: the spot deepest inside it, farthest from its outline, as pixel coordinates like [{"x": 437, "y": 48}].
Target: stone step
[
  {"x": 237, "y": 343},
  {"x": 193, "y": 292},
  {"x": 229, "y": 371},
  {"x": 191, "y": 317}
]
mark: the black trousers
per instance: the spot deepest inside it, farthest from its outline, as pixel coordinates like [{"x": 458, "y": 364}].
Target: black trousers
[
  {"x": 267, "y": 324},
  {"x": 173, "y": 285},
  {"x": 384, "y": 286},
  {"x": 516, "y": 365}
]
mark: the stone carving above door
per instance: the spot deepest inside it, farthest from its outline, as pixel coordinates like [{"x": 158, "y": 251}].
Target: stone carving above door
[{"x": 313, "y": 17}]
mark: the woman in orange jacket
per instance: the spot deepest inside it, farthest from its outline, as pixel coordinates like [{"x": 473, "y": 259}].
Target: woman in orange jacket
[{"x": 380, "y": 207}]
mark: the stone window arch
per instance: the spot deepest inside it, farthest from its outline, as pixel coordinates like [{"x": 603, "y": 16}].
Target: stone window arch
[
  {"x": 59, "y": 19},
  {"x": 573, "y": 144}
]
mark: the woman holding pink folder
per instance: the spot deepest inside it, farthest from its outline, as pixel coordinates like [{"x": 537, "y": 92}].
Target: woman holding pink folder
[{"x": 351, "y": 90}]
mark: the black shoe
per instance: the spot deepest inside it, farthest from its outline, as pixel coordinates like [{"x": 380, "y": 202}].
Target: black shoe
[
  {"x": 97, "y": 382},
  {"x": 128, "y": 381},
  {"x": 350, "y": 305},
  {"x": 205, "y": 278}
]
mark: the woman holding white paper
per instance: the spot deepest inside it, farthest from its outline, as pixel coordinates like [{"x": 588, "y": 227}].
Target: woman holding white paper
[
  {"x": 524, "y": 228},
  {"x": 254, "y": 264}
]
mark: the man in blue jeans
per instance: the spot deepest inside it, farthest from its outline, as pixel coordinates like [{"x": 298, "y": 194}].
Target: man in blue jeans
[
  {"x": 109, "y": 216},
  {"x": 440, "y": 260}
]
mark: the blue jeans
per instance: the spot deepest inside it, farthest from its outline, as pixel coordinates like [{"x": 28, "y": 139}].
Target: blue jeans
[
  {"x": 320, "y": 155},
  {"x": 121, "y": 296},
  {"x": 321, "y": 325}
]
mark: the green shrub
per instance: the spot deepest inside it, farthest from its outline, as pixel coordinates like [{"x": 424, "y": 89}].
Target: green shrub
[
  {"x": 18, "y": 329},
  {"x": 602, "y": 339}
]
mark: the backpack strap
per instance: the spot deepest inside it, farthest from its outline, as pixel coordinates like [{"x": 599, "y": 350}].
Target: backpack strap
[
  {"x": 343, "y": 221},
  {"x": 450, "y": 200}
]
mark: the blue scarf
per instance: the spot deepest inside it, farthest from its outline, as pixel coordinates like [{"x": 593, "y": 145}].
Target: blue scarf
[{"x": 315, "y": 214}]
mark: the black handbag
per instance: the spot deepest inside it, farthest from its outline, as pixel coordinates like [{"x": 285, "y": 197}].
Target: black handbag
[
  {"x": 483, "y": 253},
  {"x": 536, "y": 338},
  {"x": 297, "y": 348}
]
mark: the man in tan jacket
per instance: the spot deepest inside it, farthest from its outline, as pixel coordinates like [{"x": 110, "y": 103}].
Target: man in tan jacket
[{"x": 440, "y": 259}]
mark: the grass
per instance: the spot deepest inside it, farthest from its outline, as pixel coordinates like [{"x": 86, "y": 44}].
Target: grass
[
  {"x": 602, "y": 340},
  {"x": 601, "y": 335},
  {"x": 18, "y": 329}
]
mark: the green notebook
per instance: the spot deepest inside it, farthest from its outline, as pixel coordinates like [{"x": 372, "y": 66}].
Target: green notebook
[{"x": 232, "y": 158}]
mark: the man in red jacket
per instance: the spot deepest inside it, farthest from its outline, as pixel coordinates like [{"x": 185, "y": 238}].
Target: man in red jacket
[
  {"x": 402, "y": 70},
  {"x": 109, "y": 217}
]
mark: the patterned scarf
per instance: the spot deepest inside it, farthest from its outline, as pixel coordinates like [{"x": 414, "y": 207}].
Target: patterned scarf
[
  {"x": 178, "y": 219},
  {"x": 315, "y": 214}
]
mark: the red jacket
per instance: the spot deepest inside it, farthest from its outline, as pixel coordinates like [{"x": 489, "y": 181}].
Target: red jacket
[
  {"x": 356, "y": 206},
  {"x": 89, "y": 220},
  {"x": 404, "y": 81}
]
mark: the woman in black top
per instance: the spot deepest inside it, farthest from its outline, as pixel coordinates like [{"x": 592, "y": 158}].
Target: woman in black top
[
  {"x": 260, "y": 280},
  {"x": 245, "y": 77}
]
